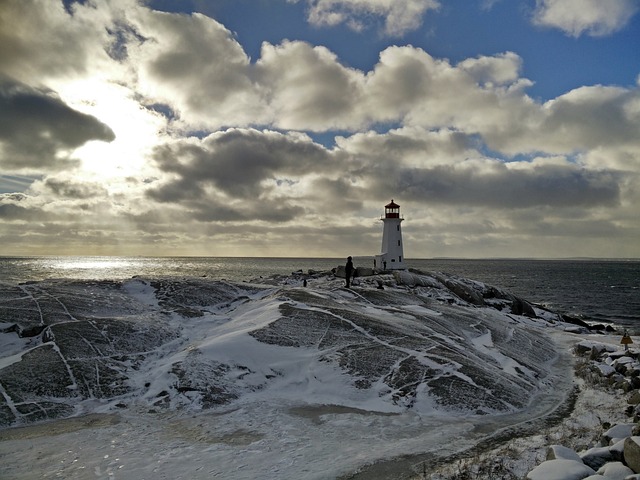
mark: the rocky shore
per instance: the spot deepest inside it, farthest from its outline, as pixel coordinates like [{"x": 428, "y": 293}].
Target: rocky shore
[
  {"x": 617, "y": 454},
  {"x": 437, "y": 366},
  {"x": 595, "y": 437}
]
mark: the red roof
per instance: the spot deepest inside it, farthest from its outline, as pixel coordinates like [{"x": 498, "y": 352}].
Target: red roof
[{"x": 392, "y": 205}]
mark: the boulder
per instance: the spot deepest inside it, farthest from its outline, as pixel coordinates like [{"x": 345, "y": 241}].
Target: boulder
[
  {"x": 522, "y": 307},
  {"x": 632, "y": 453},
  {"x": 364, "y": 272},
  {"x": 615, "y": 471},
  {"x": 557, "y": 452},
  {"x": 605, "y": 370},
  {"x": 575, "y": 321},
  {"x": 339, "y": 271},
  {"x": 560, "y": 469},
  {"x": 619, "y": 432},
  {"x": 597, "y": 457},
  {"x": 617, "y": 450},
  {"x": 585, "y": 346}
]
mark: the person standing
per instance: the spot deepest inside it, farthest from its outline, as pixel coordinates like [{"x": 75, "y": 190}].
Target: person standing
[{"x": 348, "y": 270}]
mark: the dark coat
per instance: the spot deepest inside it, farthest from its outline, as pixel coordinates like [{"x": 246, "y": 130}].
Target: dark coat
[{"x": 348, "y": 268}]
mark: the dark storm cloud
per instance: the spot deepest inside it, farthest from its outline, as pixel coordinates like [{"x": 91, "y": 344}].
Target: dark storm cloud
[
  {"x": 498, "y": 186},
  {"x": 236, "y": 175},
  {"x": 37, "y": 128},
  {"x": 236, "y": 162}
]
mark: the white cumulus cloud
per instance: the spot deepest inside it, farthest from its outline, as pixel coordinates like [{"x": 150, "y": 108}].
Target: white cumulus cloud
[
  {"x": 593, "y": 17},
  {"x": 398, "y": 16}
]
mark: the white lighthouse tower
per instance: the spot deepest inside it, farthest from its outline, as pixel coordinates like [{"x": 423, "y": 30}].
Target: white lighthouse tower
[{"x": 391, "y": 255}]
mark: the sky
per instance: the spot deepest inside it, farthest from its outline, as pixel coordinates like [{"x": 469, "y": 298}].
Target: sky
[{"x": 282, "y": 127}]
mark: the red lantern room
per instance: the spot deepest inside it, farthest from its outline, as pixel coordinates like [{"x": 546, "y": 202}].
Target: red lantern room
[{"x": 392, "y": 210}]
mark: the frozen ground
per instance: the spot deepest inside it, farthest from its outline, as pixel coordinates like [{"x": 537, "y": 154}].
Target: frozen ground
[{"x": 195, "y": 378}]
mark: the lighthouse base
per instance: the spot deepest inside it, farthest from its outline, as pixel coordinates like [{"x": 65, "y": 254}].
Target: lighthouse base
[{"x": 387, "y": 262}]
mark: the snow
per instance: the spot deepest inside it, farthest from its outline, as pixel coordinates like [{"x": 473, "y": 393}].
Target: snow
[
  {"x": 484, "y": 343},
  {"x": 615, "y": 471},
  {"x": 565, "y": 453},
  {"x": 620, "y": 431},
  {"x": 606, "y": 370},
  {"x": 560, "y": 469},
  {"x": 294, "y": 416}
]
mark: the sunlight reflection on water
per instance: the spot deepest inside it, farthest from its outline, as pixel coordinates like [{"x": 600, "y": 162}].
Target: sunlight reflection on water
[{"x": 100, "y": 263}]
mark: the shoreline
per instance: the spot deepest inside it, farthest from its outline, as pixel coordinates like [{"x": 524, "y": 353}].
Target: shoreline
[{"x": 206, "y": 311}]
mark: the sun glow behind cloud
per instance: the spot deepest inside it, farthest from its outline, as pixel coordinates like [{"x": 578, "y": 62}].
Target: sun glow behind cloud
[{"x": 136, "y": 128}]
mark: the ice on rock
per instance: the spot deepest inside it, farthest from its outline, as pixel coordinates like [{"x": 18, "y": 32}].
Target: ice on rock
[
  {"x": 273, "y": 365},
  {"x": 396, "y": 348}
]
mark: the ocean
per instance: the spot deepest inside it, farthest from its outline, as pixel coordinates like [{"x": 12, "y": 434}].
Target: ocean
[{"x": 595, "y": 290}]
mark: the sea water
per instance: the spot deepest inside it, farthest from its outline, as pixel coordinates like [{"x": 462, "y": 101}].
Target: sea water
[{"x": 597, "y": 290}]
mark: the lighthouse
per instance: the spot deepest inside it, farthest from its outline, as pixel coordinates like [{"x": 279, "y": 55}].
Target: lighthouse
[{"x": 391, "y": 255}]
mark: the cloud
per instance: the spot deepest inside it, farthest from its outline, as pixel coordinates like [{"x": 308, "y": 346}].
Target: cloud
[
  {"x": 193, "y": 63},
  {"x": 38, "y": 131},
  {"x": 70, "y": 188},
  {"x": 20, "y": 208},
  {"x": 238, "y": 174},
  {"x": 444, "y": 168},
  {"x": 501, "y": 69},
  {"x": 596, "y": 18},
  {"x": 476, "y": 96},
  {"x": 41, "y": 40},
  {"x": 307, "y": 88},
  {"x": 584, "y": 119},
  {"x": 398, "y": 16}
]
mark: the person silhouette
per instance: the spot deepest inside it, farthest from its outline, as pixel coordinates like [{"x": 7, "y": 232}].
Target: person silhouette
[{"x": 348, "y": 271}]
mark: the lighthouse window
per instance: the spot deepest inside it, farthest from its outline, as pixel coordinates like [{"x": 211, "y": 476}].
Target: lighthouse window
[
  {"x": 398, "y": 242},
  {"x": 398, "y": 227},
  {"x": 400, "y": 259}
]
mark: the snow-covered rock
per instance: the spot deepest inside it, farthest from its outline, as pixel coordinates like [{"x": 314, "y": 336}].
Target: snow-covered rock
[
  {"x": 605, "y": 370},
  {"x": 560, "y": 469},
  {"x": 596, "y": 457},
  {"x": 619, "y": 432},
  {"x": 559, "y": 452},
  {"x": 397, "y": 348},
  {"x": 615, "y": 471},
  {"x": 268, "y": 378}
]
